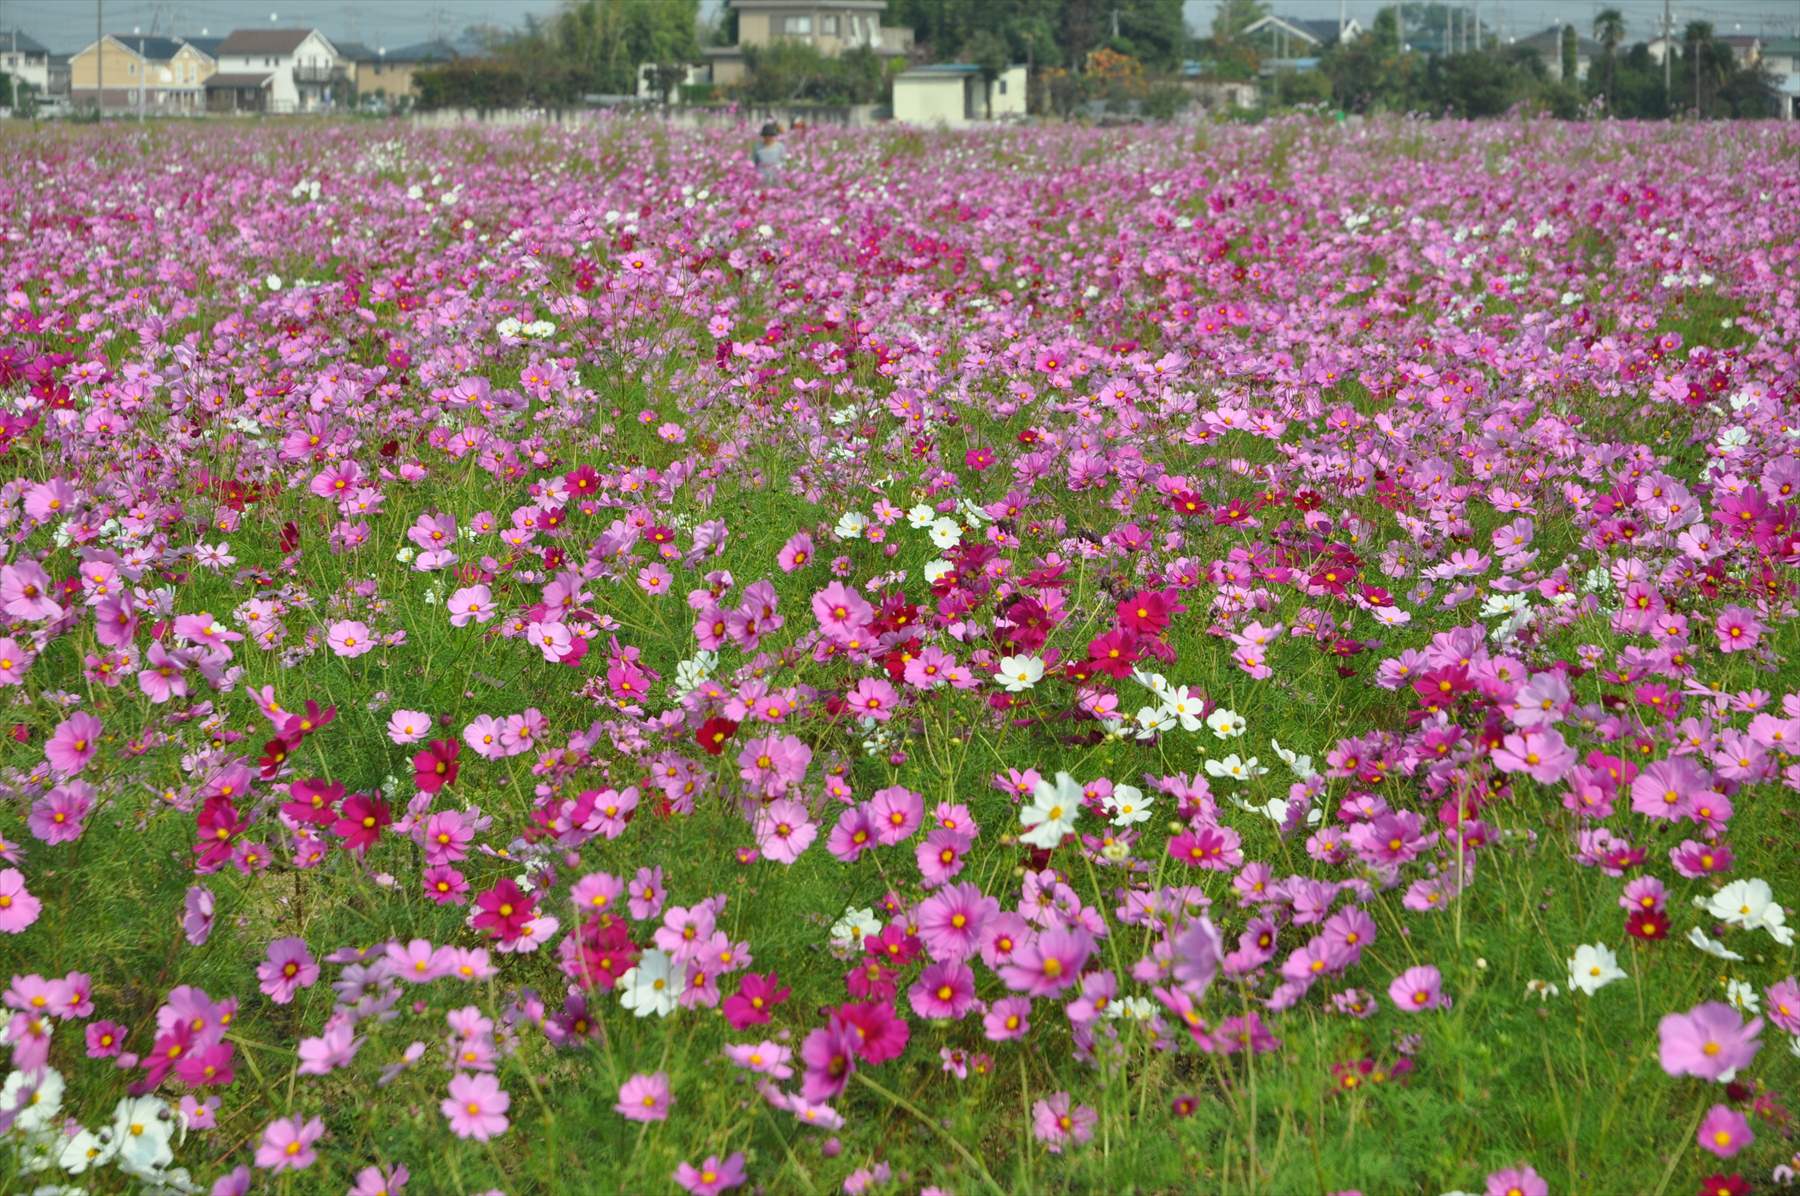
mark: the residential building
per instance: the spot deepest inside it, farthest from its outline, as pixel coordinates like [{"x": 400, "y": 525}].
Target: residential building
[
  {"x": 130, "y": 72},
  {"x": 388, "y": 74},
  {"x": 278, "y": 70},
  {"x": 954, "y": 94},
  {"x": 1296, "y": 37},
  {"x": 1547, "y": 45},
  {"x": 1781, "y": 58},
  {"x": 830, "y": 26},
  {"x": 25, "y": 60}
]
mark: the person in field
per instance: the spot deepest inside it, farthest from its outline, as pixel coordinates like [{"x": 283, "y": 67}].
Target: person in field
[{"x": 769, "y": 155}]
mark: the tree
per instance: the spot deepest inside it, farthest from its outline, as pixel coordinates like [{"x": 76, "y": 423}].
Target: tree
[
  {"x": 988, "y": 51},
  {"x": 1609, "y": 31},
  {"x": 1235, "y": 16},
  {"x": 1570, "y": 55}
]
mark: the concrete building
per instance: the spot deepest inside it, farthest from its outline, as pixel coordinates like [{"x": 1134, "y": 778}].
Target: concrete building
[
  {"x": 278, "y": 70},
  {"x": 124, "y": 73},
  {"x": 830, "y": 26},
  {"x": 954, "y": 94}
]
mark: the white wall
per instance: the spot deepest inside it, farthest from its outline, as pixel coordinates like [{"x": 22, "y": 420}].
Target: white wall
[
  {"x": 929, "y": 100},
  {"x": 1011, "y": 101},
  {"x": 33, "y": 69}
]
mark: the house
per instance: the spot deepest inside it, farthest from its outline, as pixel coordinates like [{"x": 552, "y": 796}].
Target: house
[
  {"x": 1781, "y": 59},
  {"x": 278, "y": 70},
  {"x": 648, "y": 81},
  {"x": 25, "y": 59},
  {"x": 1547, "y": 45},
  {"x": 1745, "y": 48},
  {"x": 1295, "y": 37},
  {"x": 954, "y": 94},
  {"x": 137, "y": 73},
  {"x": 830, "y": 26},
  {"x": 388, "y": 74}
]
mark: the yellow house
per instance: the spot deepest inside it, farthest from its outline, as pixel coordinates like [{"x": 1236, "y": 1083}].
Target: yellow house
[
  {"x": 126, "y": 73},
  {"x": 386, "y": 75}
]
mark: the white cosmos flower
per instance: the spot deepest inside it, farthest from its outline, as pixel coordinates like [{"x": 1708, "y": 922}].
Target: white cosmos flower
[
  {"x": 1234, "y": 768},
  {"x": 1593, "y": 968},
  {"x": 1153, "y": 720},
  {"x": 936, "y": 569},
  {"x": 1019, "y": 673},
  {"x": 1742, "y": 997},
  {"x": 1128, "y": 806},
  {"x": 1156, "y": 683},
  {"x": 1051, "y": 812},
  {"x": 946, "y": 532},
  {"x": 1711, "y": 946},
  {"x": 1300, "y": 766},
  {"x": 1184, "y": 706},
  {"x": 37, "y": 1096},
  {"x": 653, "y": 986},
  {"x": 142, "y": 1127},
  {"x": 854, "y": 926},
  {"x": 850, "y": 525},
  {"x": 1750, "y": 904},
  {"x": 85, "y": 1150},
  {"x": 1226, "y": 724},
  {"x": 273, "y": 282},
  {"x": 921, "y": 516}
]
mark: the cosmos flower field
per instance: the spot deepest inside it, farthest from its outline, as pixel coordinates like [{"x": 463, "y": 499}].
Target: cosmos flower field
[{"x": 1244, "y": 660}]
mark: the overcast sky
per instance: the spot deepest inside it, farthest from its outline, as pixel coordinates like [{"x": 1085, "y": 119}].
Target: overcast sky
[{"x": 66, "y": 25}]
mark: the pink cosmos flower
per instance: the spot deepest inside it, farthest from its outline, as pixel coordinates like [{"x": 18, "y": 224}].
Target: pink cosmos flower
[
  {"x": 1417, "y": 989},
  {"x": 713, "y": 1176},
  {"x": 408, "y": 726},
  {"x": 1057, "y": 1122},
  {"x": 18, "y": 908},
  {"x": 873, "y": 698},
  {"x": 476, "y": 1107},
  {"x": 784, "y": 829},
  {"x": 288, "y": 968},
  {"x": 945, "y": 989},
  {"x": 1539, "y": 751},
  {"x": 287, "y": 1144},
  {"x": 1516, "y": 1181},
  {"x": 1709, "y": 1041},
  {"x": 1738, "y": 629},
  {"x": 796, "y": 554},
  {"x": 470, "y": 604},
  {"x": 350, "y": 638},
  {"x": 73, "y": 743},
  {"x": 1724, "y": 1131},
  {"x": 14, "y": 661},
  {"x": 951, "y": 920},
  {"x": 644, "y": 1098}
]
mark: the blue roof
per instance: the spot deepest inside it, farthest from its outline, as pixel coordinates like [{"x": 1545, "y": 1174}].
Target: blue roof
[{"x": 944, "y": 68}]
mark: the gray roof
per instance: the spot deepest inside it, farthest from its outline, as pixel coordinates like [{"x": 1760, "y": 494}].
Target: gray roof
[
  {"x": 1551, "y": 40},
  {"x": 1325, "y": 30},
  {"x": 11, "y": 39},
  {"x": 208, "y": 46},
  {"x": 941, "y": 68},
  {"x": 430, "y": 51},
  {"x": 152, "y": 49},
  {"x": 354, "y": 51}
]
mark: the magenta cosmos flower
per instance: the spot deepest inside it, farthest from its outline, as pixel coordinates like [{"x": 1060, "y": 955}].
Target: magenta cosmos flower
[
  {"x": 1709, "y": 1041},
  {"x": 1418, "y": 989},
  {"x": 476, "y": 1107}
]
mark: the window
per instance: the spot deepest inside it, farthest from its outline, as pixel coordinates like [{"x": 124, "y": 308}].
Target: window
[
  {"x": 1003, "y": 87},
  {"x": 796, "y": 26},
  {"x": 828, "y": 26}
]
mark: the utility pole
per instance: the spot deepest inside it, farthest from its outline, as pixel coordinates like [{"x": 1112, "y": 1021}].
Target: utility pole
[
  {"x": 1668, "y": 54},
  {"x": 99, "y": 60}
]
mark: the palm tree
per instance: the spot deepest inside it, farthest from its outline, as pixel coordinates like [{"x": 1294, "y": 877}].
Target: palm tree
[{"x": 1609, "y": 31}]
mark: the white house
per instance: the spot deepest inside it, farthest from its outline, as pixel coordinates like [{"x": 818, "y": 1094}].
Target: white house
[
  {"x": 25, "y": 59},
  {"x": 291, "y": 70},
  {"x": 953, "y": 94}
]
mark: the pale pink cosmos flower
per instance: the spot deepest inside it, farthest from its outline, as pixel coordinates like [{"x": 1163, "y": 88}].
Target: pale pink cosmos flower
[
  {"x": 408, "y": 726},
  {"x": 476, "y": 1107},
  {"x": 287, "y": 1144},
  {"x": 644, "y": 1098},
  {"x": 471, "y": 604},
  {"x": 18, "y": 908},
  {"x": 350, "y": 638}
]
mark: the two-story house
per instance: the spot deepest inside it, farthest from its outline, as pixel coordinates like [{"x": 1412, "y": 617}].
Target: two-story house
[
  {"x": 277, "y": 70},
  {"x": 131, "y": 72},
  {"x": 830, "y": 26},
  {"x": 25, "y": 60},
  {"x": 385, "y": 75}
]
